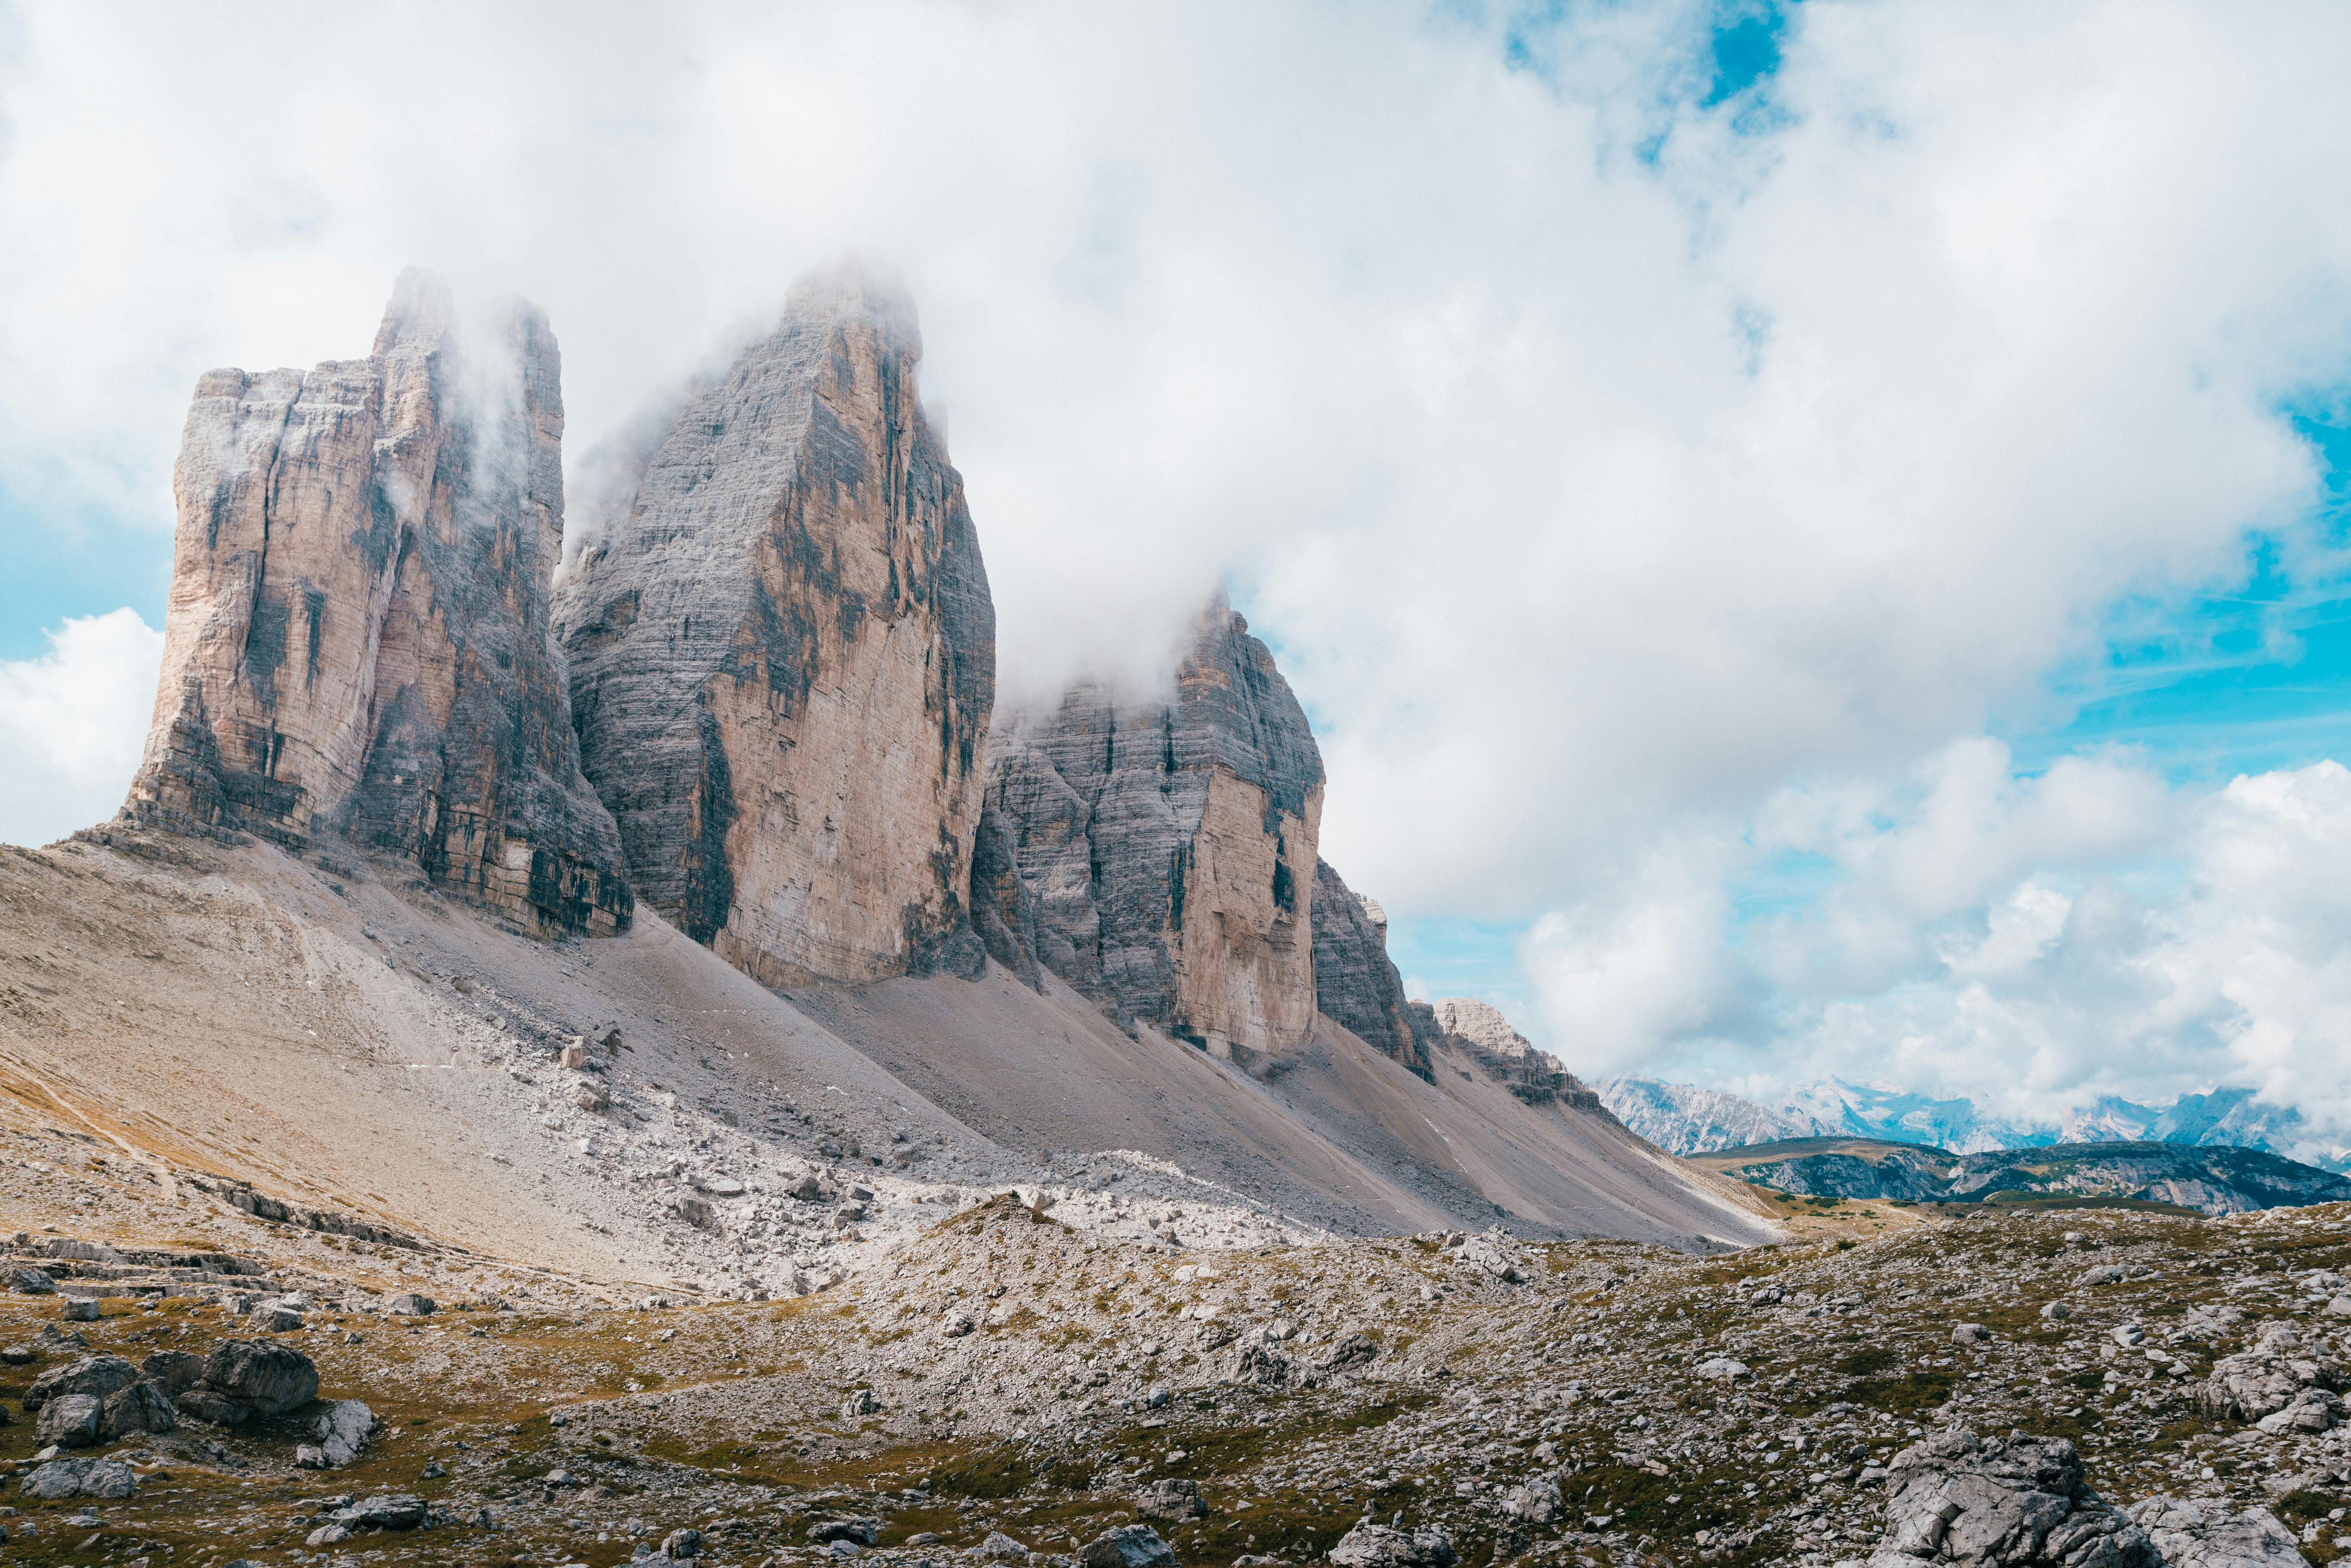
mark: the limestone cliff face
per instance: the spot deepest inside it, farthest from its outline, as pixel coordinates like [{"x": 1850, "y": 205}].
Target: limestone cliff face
[
  {"x": 783, "y": 657},
  {"x": 1355, "y": 982},
  {"x": 1480, "y": 1032},
  {"x": 358, "y": 638},
  {"x": 1160, "y": 856}
]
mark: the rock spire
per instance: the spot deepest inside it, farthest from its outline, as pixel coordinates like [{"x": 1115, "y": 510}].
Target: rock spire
[
  {"x": 1160, "y": 856},
  {"x": 358, "y": 638},
  {"x": 783, "y": 656}
]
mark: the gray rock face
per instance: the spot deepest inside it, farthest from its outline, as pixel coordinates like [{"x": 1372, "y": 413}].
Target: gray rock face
[
  {"x": 1355, "y": 984},
  {"x": 2205, "y": 1534},
  {"x": 2013, "y": 1504},
  {"x": 1159, "y": 856},
  {"x": 358, "y": 639},
  {"x": 783, "y": 656}
]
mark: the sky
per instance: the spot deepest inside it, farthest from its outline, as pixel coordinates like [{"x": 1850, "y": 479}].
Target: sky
[{"x": 1811, "y": 534}]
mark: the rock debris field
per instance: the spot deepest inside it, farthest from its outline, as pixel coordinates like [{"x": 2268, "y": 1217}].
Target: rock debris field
[{"x": 2088, "y": 1388}]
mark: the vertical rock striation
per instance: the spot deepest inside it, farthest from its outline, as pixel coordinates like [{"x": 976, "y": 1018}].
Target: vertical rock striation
[
  {"x": 357, "y": 637},
  {"x": 783, "y": 657},
  {"x": 1160, "y": 856},
  {"x": 1355, "y": 984}
]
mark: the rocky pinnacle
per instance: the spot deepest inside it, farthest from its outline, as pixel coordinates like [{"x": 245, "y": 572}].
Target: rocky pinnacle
[
  {"x": 1160, "y": 856},
  {"x": 358, "y": 638},
  {"x": 783, "y": 656}
]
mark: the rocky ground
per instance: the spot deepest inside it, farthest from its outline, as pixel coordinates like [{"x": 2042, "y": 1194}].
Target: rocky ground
[{"x": 1003, "y": 1375}]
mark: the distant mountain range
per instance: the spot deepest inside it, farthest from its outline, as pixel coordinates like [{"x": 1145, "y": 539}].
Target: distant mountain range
[
  {"x": 2104, "y": 1174},
  {"x": 1689, "y": 1120}
]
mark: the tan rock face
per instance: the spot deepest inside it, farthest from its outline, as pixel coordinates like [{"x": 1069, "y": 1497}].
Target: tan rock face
[
  {"x": 1160, "y": 857},
  {"x": 783, "y": 657},
  {"x": 358, "y": 638}
]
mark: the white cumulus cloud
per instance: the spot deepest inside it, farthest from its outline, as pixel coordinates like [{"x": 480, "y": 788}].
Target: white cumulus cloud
[{"x": 72, "y": 722}]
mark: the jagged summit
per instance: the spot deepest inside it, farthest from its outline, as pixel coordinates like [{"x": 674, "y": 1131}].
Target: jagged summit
[
  {"x": 783, "y": 656},
  {"x": 357, "y": 641},
  {"x": 1159, "y": 856}
]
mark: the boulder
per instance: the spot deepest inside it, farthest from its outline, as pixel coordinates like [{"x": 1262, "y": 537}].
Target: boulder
[
  {"x": 1370, "y": 1545},
  {"x": 1971, "y": 1333},
  {"x": 1350, "y": 1350},
  {"x": 680, "y": 1545},
  {"x": 862, "y": 1530},
  {"x": 70, "y": 1420},
  {"x": 1128, "y": 1546},
  {"x": 32, "y": 1281},
  {"x": 1722, "y": 1369},
  {"x": 2014, "y": 1503},
  {"x": 342, "y": 1429},
  {"x": 77, "y": 1476},
  {"x": 409, "y": 1305},
  {"x": 96, "y": 1376},
  {"x": 385, "y": 1511},
  {"x": 2203, "y": 1533},
  {"x": 142, "y": 1407},
  {"x": 860, "y": 1403},
  {"x": 263, "y": 1378},
  {"x": 81, "y": 1309},
  {"x": 1536, "y": 1500},
  {"x": 1171, "y": 1500},
  {"x": 1001, "y": 1548}
]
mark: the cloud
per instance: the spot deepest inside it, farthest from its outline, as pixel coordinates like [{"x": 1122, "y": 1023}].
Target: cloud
[
  {"x": 2042, "y": 943},
  {"x": 72, "y": 723}
]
